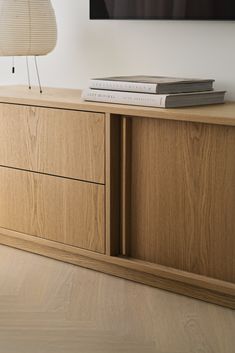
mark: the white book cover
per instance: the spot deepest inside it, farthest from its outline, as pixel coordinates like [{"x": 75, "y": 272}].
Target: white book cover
[
  {"x": 150, "y": 100},
  {"x": 154, "y": 100},
  {"x": 151, "y": 84}
]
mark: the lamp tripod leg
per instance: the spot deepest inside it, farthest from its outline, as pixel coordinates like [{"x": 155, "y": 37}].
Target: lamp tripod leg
[
  {"x": 38, "y": 76},
  {"x": 28, "y": 73}
]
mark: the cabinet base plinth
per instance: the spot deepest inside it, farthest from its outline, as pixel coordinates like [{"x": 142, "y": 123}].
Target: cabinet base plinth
[{"x": 180, "y": 282}]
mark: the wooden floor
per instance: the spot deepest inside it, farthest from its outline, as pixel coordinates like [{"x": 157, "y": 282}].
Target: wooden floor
[{"x": 51, "y": 307}]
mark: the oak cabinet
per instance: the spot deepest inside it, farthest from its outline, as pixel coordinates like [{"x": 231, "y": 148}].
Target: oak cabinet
[{"x": 141, "y": 193}]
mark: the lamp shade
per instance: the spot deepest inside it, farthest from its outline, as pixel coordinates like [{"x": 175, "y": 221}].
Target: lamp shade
[{"x": 27, "y": 27}]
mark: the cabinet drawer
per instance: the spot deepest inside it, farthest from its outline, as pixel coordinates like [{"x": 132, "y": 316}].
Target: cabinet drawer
[
  {"x": 54, "y": 208},
  {"x": 53, "y": 141}
]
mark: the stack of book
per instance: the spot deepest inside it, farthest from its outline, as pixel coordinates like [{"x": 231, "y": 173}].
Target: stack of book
[{"x": 153, "y": 91}]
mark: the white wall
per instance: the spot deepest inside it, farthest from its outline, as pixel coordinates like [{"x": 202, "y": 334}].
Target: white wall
[{"x": 99, "y": 48}]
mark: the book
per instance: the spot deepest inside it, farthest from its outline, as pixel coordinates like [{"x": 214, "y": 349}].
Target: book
[
  {"x": 151, "y": 84},
  {"x": 155, "y": 100}
]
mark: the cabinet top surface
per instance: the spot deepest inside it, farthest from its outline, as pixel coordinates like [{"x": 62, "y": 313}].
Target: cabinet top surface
[{"x": 223, "y": 114}]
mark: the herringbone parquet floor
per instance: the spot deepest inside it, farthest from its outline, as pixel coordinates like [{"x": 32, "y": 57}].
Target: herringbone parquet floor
[{"x": 51, "y": 307}]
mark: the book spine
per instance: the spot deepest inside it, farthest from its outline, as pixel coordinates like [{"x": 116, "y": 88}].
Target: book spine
[
  {"x": 124, "y": 86},
  {"x": 148, "y": 100}
]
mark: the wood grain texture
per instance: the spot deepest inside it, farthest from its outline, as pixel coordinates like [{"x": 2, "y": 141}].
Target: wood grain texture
[
  {"x": 199, "y": 287},
  {"x": 53, "y": 141},
  {"x": 183, "y": 196},
  {"x": 112, "y": 184},
  {"x": 52, "y": 307},
  {"x": 62, "y": 210},
  {"x": 223, "y": 114}
]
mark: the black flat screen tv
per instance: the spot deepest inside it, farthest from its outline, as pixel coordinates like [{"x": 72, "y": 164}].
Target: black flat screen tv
[{"x": 162, "y": 10}]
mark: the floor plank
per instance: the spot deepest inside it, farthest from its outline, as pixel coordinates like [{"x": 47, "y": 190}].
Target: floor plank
[{"x": 52, "y": 307}]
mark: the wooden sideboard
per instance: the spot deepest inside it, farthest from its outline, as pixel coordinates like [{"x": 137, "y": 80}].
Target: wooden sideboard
[{"x": 140, "y": 193}]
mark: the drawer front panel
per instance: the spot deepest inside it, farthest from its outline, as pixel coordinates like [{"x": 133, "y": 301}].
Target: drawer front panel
[
  {"x": 53, "y": 141},
  {"x": 54, "y": 208}
]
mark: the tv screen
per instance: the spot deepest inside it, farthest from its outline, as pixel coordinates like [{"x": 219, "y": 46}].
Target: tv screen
[{"x": 162, "y": 9}]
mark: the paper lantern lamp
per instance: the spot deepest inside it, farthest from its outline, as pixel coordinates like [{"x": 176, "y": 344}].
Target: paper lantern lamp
[{"x": 27, "y": 28}]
